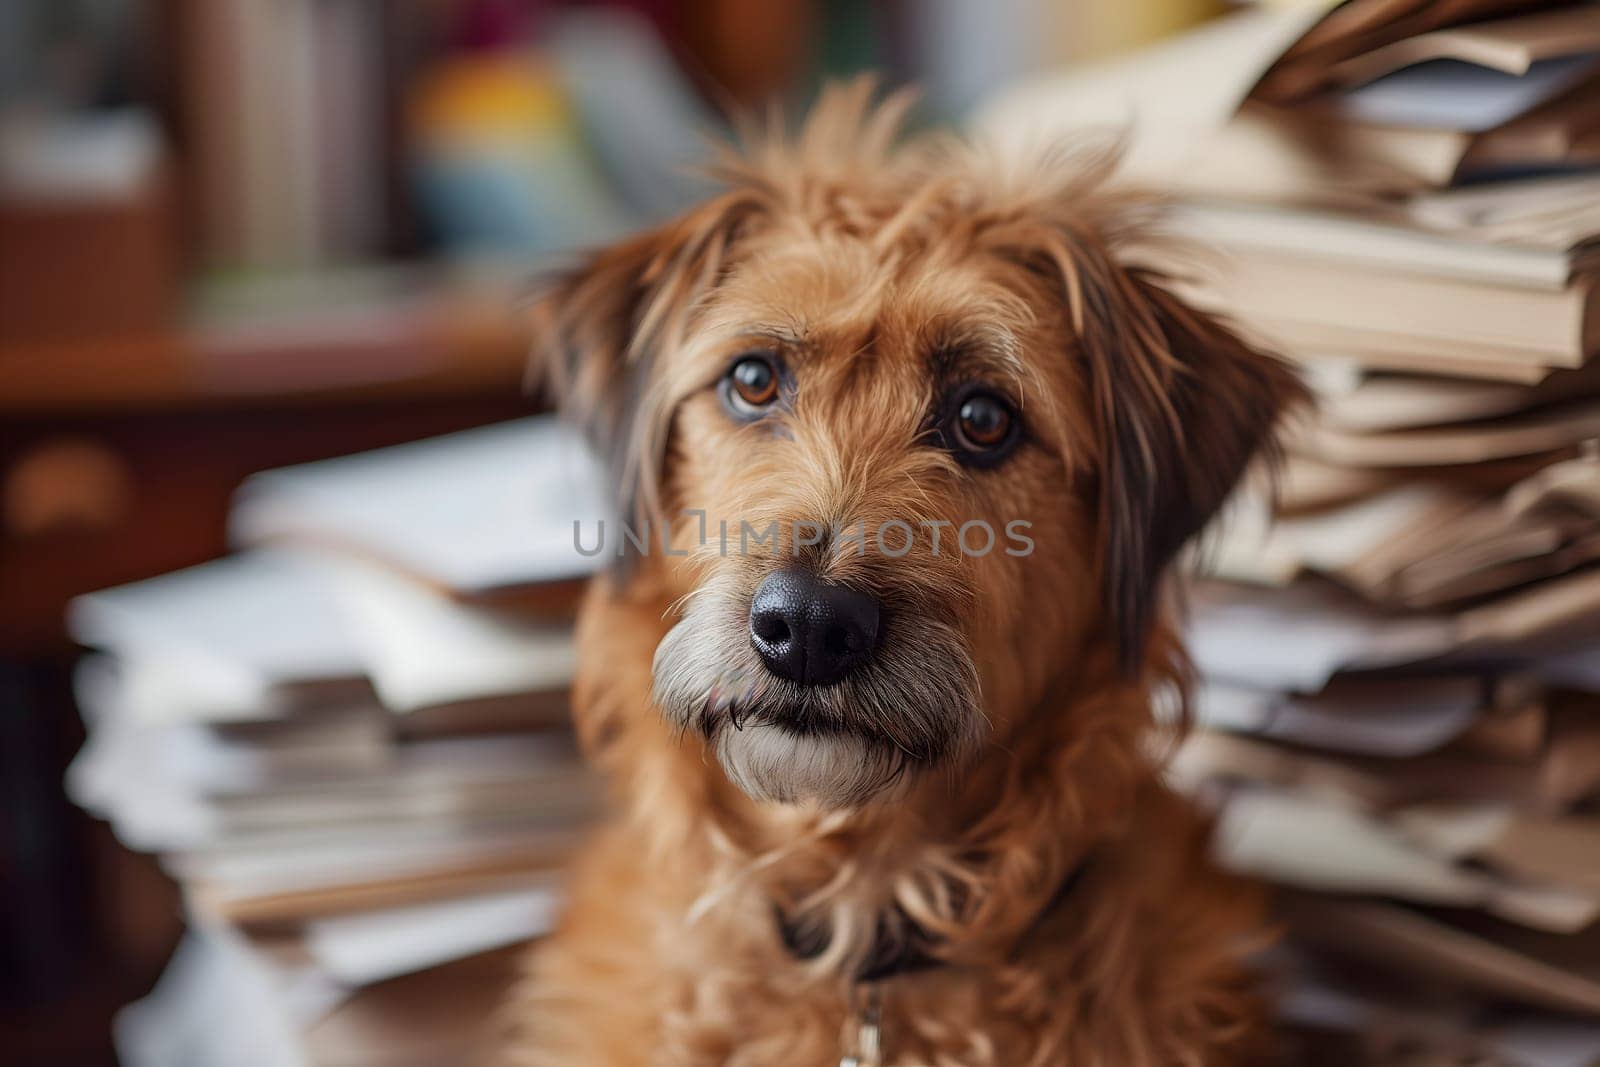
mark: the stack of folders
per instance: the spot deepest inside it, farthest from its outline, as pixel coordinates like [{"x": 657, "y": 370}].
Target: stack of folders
[
  {"x": 1399, "y": 637},
  {"x": 349, "y": 743}
]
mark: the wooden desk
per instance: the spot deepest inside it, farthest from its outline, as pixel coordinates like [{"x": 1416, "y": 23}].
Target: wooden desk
[{"x": 118, "y": 458}]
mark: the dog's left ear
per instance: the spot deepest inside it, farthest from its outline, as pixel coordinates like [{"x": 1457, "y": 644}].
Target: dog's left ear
[
  {"x": 1183, "y": 404},
  {"x": 600, "y": 328}
]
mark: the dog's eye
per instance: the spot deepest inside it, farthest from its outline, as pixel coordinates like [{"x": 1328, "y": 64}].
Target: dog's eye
[
  {"x": 751, "y": 386},
  {"x": 983, "y": 427}
]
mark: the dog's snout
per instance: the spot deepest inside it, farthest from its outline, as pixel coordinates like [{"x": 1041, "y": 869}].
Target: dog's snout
[{"x": 810, "y": 631}]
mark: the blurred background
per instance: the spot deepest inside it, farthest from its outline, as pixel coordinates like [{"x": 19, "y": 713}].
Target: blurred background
[{"x": 239, "y": 234}]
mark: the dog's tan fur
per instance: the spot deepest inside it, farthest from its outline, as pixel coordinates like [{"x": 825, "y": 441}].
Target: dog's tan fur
[{"x": 865, "y": 266}]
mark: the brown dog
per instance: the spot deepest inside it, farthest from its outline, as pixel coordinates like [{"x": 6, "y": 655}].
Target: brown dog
[{"x": 885, "y": 794}]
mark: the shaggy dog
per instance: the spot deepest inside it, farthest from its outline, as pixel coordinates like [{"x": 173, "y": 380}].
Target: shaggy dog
[{"x": 885, "y": 796}]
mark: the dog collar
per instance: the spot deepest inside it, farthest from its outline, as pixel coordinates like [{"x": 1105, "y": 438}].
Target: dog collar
[{"x": 901, "y": 946}]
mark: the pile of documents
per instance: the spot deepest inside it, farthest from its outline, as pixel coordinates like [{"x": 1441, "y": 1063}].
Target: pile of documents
[
  {"x": 349, "y": 743},
  {"x": 1398, "y": 638}
]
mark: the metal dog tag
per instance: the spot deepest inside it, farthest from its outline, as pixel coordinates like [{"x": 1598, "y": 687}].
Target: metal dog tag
[{"x": 869, "y": 1033}]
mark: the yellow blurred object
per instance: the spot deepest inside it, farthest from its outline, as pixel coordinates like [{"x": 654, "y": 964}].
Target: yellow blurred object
[
  {"x": 1091, "y": 31},
  {"x": 488, "y": 93}
]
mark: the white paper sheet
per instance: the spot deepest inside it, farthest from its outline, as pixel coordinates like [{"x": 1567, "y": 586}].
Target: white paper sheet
[
  {"x": 473, "y": 511},
  {"x": 218, "y": 1003},
  {"x": 1294, "y": 639},
  {"x": 1401, "y": 719},
  {"x": 1167, "y": 101},
  {"x": 1447, "y": 94},
  {"x": 373, "y": 946},
  {"x": 223, "y": 636},
  {"x": 1316, "y": 843},
  {"x": 422, "y": 648}
]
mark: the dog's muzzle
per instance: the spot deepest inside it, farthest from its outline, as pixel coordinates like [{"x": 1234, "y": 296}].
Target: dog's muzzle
[{"x": 811, "y": 691}]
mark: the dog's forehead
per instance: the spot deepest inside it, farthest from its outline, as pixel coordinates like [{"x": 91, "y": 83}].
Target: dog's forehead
[{"x": 837, "y": 294}]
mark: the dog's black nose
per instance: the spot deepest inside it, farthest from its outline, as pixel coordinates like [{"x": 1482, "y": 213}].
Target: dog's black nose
[{"x": 809, "y": 631}]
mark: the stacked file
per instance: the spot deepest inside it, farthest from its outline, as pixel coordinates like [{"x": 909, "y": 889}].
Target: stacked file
[
  {"x": 349, "y": 744},
  {"x": 1398, "y": 635}
]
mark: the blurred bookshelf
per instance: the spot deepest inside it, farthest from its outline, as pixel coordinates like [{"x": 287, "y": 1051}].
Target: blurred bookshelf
[
  {"x": 317, "y": 218},
  {"x": 215, "y": 262},
  {"x": 243, "y": 234}
]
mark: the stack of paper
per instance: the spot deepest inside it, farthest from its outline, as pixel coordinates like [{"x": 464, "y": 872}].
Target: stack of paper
[
  {"x": 1399, "y": 638},
  {"x": 349, "y": 743}
]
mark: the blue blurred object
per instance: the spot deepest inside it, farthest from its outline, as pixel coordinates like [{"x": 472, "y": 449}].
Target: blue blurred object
[{"x": 642, "y": 118}]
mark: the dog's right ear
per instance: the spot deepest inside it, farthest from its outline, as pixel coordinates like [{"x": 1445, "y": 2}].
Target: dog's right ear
[
  {"x": 1181, "y": 402},
  {"x": 600, "y": 329}
]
